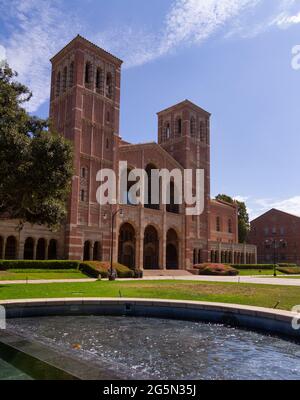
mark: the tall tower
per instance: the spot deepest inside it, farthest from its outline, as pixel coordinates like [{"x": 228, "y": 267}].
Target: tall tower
[
  {"x": 85, "y": 107},
  {"x": 184, "y": 132}
]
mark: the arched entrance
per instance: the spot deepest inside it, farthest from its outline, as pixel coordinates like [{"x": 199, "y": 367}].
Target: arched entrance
[
  {"x": 1, "y": 247},
  {"x": 11, "y": 248},
  {"x": 172, "y": 256},
  {"x": 151, "y": 248},
  {"x": 52, "y": 250},
  {"x": 29, "y": 249},
  {"x": 97, "y": 252},
  {"x": 86, "y": 251},
  {"x": 41, "y": 249},
  {"x": 126, "y": 250}
]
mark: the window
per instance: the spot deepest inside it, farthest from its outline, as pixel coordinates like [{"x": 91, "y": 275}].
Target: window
[
  {"x": 65, "y": 77},
  {"x": 229, "y": 226},
  {"x": 71, "y": 74},
  {"x": 178, "y": 129},
  {"x": 99, "y": 80},
  {"x": 167, "y": 131},
  {"x": 218, "y": 224},
  {"x": 109, "y": 85},
  {"x": 108, "y": 116},
  {"x": 58, "y": 79},
  {"x": 266, "y": 231},
  {"x": 274, "y": 231},
  {"x": 193, "y": 126},
  {"x": 82, "y": 195},
  {"x": 202, "y": 132},
  {"x": 88, "y": 73},
  {"x": 107, "y": 144},
  {"x": 83, "y": 172}
]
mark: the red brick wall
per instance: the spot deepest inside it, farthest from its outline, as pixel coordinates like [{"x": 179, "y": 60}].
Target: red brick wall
[
  {"x": 224, "y": 212},
  {"x": 279, "y": 226}
]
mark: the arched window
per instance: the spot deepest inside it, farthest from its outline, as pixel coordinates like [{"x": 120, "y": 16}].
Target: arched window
[
  {"x": 41, "y": 249},
  {"x": 11, "y": 248},
  {"x": 83, "y": 173},
  {"x": 229, "y": 226},
  {"x": 82, "y": 195},
  {"x": 29, "y": 249},
  {"x": 166, "y": 131},
  {"x": 52, "y": 250},
  {"x": 178, "y": 127},
  {"x": 172, "y": 207},
  {"x": 88, "y": 73},
  {"x": 202, "y": 131},
  {"x": 65, "y": 77},
  {"x": 99, "y": 80},
  {"x": 193, "y": 126},
  {"x": 71, "y": 74},
  {"x": 149, "y": 203},
  {"x": 218, "y": 224},
  {"x": 109, "y": 85},
  {"x": 58, "y": 82}
]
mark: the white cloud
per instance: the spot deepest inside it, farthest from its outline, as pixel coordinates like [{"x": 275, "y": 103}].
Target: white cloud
[
  {"x": 290, "y": 205},
  {"x": 39, "y": 28}
]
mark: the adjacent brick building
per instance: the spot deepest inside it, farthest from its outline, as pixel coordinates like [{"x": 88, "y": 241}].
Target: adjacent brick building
[
  {"x": 276, "y": 235},
  {"x": 85, "y": 108}
]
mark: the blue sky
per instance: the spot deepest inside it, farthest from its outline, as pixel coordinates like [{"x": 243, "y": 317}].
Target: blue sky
[{"x": 231, "y": 57}]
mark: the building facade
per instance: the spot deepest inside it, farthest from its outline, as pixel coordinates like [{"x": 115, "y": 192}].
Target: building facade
[
  {"x": 85, "y": 108},
  {"x": 277, "y": 237}
]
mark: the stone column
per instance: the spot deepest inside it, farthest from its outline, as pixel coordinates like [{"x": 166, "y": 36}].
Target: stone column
[
  {"x": 139, "y": 251},
  {"x": 35, "y": 248}
]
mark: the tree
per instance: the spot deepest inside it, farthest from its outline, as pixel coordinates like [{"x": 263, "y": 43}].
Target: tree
[
  {"x": 243, "y": 216},
  {"x": 36, "y": 163}
]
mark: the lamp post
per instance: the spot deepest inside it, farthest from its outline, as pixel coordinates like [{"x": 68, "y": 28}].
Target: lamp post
[
  {"x": 113, "y": 215},
  {"x": 274, "y": 244}
]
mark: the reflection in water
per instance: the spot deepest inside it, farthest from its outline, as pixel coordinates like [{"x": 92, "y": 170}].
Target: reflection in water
[{"x": 166, "y": 349}]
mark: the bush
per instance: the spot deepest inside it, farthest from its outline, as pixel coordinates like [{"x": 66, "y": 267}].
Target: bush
[
  {"x": 289, "y": 270},
  {"x": 216, "y": 270},
  {"x": 253, "y": 266},
  {"x": 94, "y": 268},
  {"x": 288, "y": 265},
  {"x": 33, "y": 264}
]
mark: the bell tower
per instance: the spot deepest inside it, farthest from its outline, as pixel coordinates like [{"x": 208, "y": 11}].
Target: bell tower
[
  {"x": 84, "y": 108},
  {"x": 184, "y": 132}
]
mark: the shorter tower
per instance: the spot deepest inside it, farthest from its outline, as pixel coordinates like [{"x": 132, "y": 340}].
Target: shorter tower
[{"x": 184, "y": 132}]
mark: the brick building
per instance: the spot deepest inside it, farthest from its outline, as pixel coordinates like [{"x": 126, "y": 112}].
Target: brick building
[
  {"x": 279, "y": 231},
  {"x": 85, "y": 108}
]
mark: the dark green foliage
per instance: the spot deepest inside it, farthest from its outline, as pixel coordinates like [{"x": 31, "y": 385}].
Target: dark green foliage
[
  {"x": 216, "y": 270},
  {"x": 36, "y": 164},
  {"x": 30, "y": 264}
]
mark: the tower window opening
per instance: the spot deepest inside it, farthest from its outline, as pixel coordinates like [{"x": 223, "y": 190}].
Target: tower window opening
[
  {"x": 109, "y": 85},
  {"x": 65, "y": 77},
  {"x": 58, "y": 79},
  {"x": 88, "y": 73},
  {"x": 71, "y": 74}
]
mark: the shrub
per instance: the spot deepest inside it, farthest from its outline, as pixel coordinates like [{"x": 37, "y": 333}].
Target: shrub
[
  {"x": 216, "y": 270},
  {"x": 94, "y": 268},
  {"x": 253, "y": 266},
  {"x": 284, "y": 265},
  {"x": 33, "y": 264},
  {"x": 289, "y": 270}
]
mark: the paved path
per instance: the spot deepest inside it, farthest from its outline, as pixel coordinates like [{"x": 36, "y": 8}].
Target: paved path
[
  {"x": 237, "y": 279},
  {"x": 241, "y": 279}
]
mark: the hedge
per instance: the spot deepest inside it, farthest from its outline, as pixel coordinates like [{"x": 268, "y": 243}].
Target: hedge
[
  {"x": 90, "y": 268},
  {"x": 94, "y": 268},
  {"x": 33, "y": 264},
  {"x": 289, "y": 270},
  {"x": 216, "y": 270},
  {"x": 253, "y": 266}
]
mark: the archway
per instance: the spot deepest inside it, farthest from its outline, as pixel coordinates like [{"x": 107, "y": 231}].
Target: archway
[
  {"x": 41, "y": 249},
  {"x": 11, "y": 248},
  {"x": 52, "y": 250},
  {"x": 151, "y": 248},
  {"x": 86, "y": 251},
  {"x": 29, "y": 249},
  {"x": 97, "y": 252},
  {"x": 126, "y": 250},
  {"x": 172, "y": 260},
  {"x": 1, "y": 248}
]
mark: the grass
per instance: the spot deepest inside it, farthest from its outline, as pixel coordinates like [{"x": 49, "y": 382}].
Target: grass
[
  {"x": 247, "y": 294},
  {"x": 35, "y": 274}
]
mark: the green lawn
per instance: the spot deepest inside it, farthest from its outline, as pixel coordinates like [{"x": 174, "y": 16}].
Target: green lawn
[
  {"x": 248, "y": 294},
  {"x": 35, "y": 274}
]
